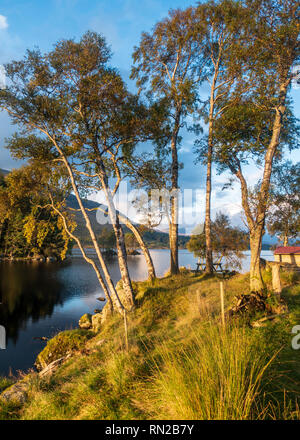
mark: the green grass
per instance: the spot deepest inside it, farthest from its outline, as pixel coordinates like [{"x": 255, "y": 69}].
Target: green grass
[
  {"x": 181, "y": 364},
  {"x": 5, "y": 382},
  {"x": 217, "y": 376},
  {"x": 8, "y": 411}
]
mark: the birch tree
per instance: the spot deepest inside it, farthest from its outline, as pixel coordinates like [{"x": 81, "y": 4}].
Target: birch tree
[
  {"x": 222, "y": 24},
  {"x": 168, "y": 68},
  {"x": 260, "y": 123}
]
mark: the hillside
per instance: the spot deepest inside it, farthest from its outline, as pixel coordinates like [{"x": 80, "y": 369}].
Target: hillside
[
  {"x": 181, "y": 364},
  {"x": 3, "y": 172},
  {"x": 153, "y": 238}
]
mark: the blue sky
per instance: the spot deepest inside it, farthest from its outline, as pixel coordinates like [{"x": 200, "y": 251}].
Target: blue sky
[{"x": 25, "y": 24}]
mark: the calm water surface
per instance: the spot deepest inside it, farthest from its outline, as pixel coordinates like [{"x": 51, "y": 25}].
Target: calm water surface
[{"x": 42, "y": 299}]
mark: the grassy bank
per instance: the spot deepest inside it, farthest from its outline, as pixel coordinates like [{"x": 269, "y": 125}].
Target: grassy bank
[{"x": 181, "y": 364}]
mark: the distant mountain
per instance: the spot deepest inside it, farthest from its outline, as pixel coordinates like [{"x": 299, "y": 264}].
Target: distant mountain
[
  {"x": 3, "y": 172},
  {"x": 153, "y": 238},
  {"x": 268, "y": 241}
]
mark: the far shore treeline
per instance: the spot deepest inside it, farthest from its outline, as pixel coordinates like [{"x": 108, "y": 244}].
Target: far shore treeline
[{"x": 80, "y": 130}]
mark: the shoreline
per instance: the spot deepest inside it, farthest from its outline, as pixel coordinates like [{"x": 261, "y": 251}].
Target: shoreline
[{"x": 33, "y": 259}]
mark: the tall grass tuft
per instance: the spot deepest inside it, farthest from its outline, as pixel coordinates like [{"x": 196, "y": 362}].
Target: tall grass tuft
[{"x": 217, "y": 376}]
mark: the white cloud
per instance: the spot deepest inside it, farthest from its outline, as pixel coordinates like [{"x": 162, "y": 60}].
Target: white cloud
[{"x": 3, "y": 22}]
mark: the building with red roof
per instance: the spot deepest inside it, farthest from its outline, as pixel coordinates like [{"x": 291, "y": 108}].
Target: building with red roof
[{"x": 288, "y": 254}]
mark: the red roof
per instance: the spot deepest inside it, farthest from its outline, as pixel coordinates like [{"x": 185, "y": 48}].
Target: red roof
[{"x": 287, "y": 250}]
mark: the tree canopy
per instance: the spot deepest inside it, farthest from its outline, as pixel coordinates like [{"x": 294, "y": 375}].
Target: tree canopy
[
  {"x": 228, "y": 242},
  {"x": 29, "y": 227}
]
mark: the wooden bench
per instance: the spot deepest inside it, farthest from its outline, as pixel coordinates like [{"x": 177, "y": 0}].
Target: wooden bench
[
  {"x": 200, "y": 267},
  {"x": 217, "y": 267}
]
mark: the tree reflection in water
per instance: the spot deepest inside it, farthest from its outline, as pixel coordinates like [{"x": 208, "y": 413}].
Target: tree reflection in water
[{"x": 28, "y": 291}]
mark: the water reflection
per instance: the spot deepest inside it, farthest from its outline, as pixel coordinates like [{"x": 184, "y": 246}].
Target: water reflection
[
  {"x": 41, "y": 299},
  {"x": 28, "y": 291}
]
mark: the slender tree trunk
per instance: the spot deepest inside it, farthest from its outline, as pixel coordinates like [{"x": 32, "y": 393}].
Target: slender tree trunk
[
  {"x": 144, "y": 248},
  {"x": 173, "y": 229},
  {"x": 256, "y": 280},
  {"x": 256, "y": 230},
  {"x": 208, "y": 252},
  {"x": 208, "y": 243},
  {"x": 120, "y": 242},
  {"x": 212, "y": 101},
  {"x": 173, "y": 239}
]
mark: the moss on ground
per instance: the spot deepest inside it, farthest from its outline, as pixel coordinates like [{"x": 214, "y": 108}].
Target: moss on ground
[{"x": 61, "y": 345}]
